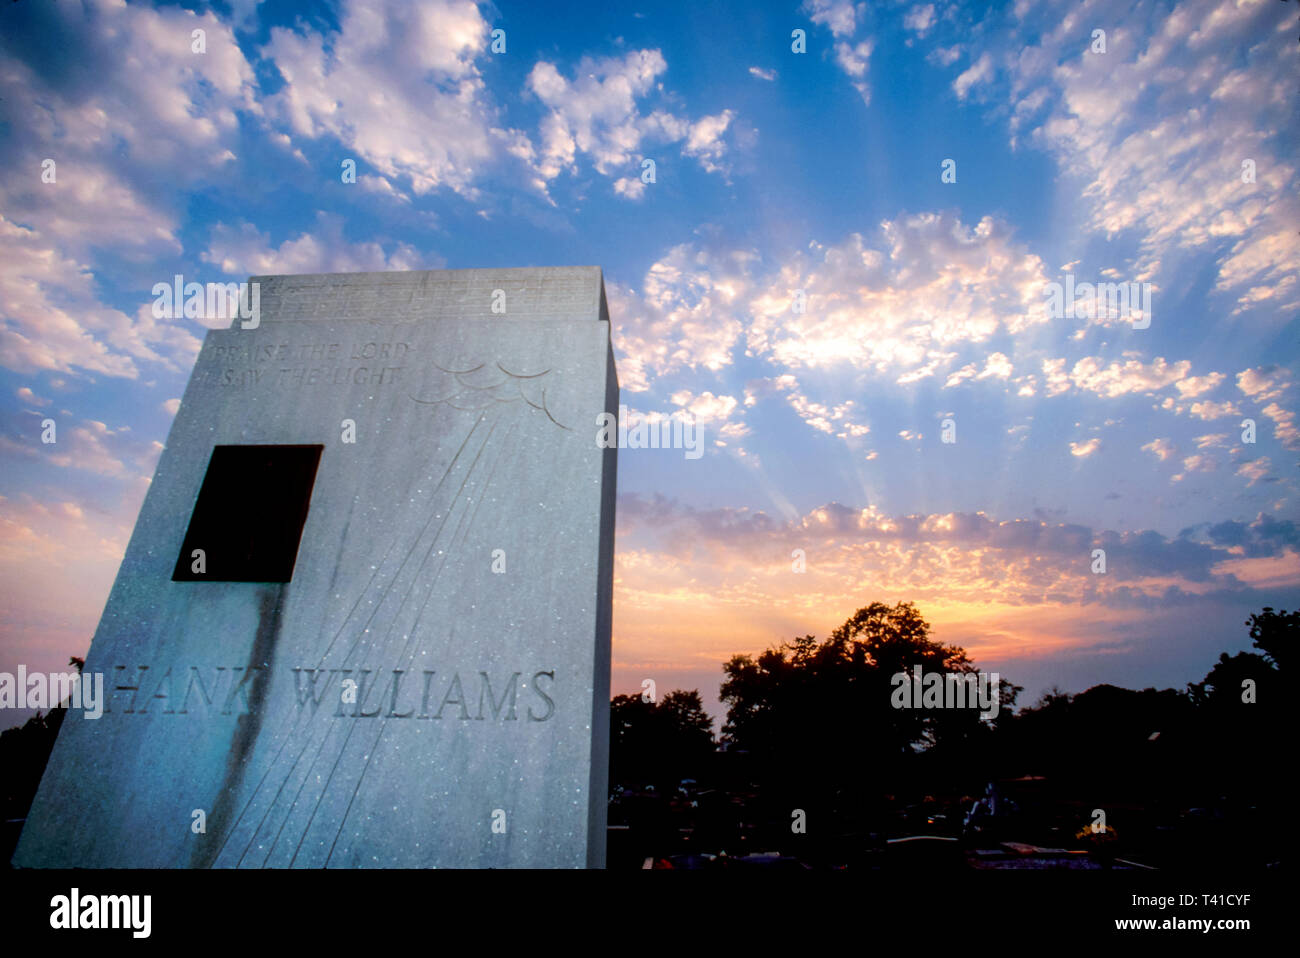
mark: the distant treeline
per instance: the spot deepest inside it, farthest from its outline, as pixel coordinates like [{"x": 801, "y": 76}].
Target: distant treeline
[{"x": 813, "y": 725}]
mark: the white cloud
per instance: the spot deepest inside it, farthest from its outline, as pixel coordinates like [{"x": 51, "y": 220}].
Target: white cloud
[
  {"x": 905, "y": 306},
  {"x": 944, "y": 56},
  {"x": 1201, "y": 462},
  {"x": 997, "y": 366},
  {"x": 597, "y": 114},
  {"x": 853, "y": 59},
  {"x": 51, "y": 317},
  {"x": 687, "y": 315},
  {"x": 835, "y": 419},
  {"x": 632, "y": 187},
  {"x": 839, "y": 15},
  {"x": 155, "y": 119},
  {"x": 247, "y": 252},
  {"x": 768, "y": 75},
  {"x": 1163, "y": 449},
  {"x": 154, "y": 112},
  {"x": 1209, "y": 409},
  {"x": 979, "y": 72},
  {"x": 706, "y": 407},
  {"x": 919, "y": 19},
  {"x": 928, "y": 285},
  {"x": 1265, "y": 383},
  {"x": 1194, "y": 386},
  {"x": 1092, "y": 374},
  {"x": 704, "y": 141},
  {"x": 1084, "y": 449},
  {"x": 397, "y": 83},
  {"x": 1210, "y": 77},
  {"x": 1284, "y": 427},
  {"x": 382, "y": 186},
  {"x": 95, "y": 447},
  {"x": 960, "y": 376},
  {"x": 1255, "y": 470}
]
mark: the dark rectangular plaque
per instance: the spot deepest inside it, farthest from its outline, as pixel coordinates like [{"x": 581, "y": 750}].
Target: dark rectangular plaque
[{"x": 250, "y": 513}]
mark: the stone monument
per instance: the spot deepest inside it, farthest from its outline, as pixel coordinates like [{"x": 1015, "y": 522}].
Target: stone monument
[{"x": 364, "y": 616}]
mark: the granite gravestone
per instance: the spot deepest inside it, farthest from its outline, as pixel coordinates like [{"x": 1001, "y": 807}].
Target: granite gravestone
[{"x": 364, "y": 616}]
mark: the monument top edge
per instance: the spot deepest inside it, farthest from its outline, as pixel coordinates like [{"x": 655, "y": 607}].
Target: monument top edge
[
  {"x": 524, "y": 292},
  {"x": 409, "y": 276}
]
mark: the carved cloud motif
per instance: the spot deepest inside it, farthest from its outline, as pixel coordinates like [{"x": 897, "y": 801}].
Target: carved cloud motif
[{"x": 483, "y": 385}]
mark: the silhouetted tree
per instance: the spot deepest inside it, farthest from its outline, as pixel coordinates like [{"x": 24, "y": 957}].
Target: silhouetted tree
[
  {"x": 1275, "y": 633},
  {"x": 1225, "y": 685},
  {"x": 660, "y": 742},
  {"x": 818, "y": 722}
]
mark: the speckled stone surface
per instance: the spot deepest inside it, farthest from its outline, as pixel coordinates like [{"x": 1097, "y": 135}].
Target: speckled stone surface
[{"x": 431, "y": 688}]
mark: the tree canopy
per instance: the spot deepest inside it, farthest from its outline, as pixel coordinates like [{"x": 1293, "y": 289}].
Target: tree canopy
[{"x": 814, "y": 711}]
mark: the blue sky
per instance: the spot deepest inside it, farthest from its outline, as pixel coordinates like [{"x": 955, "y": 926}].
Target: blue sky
[{"x": 775, "y": 172}]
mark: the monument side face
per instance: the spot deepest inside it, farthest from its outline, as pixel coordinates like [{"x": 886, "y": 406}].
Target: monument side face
[{"x": 430, "y": 685}]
